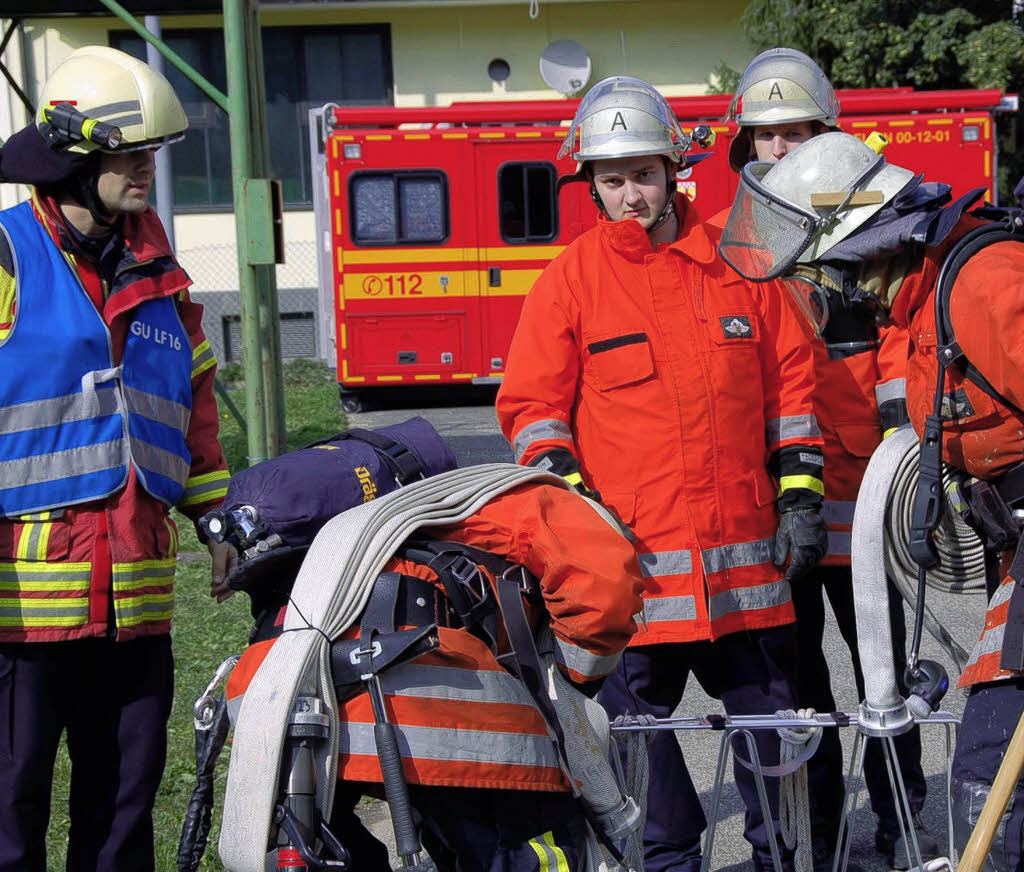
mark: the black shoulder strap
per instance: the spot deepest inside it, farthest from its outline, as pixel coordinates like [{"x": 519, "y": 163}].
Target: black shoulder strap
[
  {"x": 1011, "y": 228},
  {"x": 405, "y": 466}
]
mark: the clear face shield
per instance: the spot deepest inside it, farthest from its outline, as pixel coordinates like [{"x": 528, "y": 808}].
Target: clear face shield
[
  {"x": 766, "y": 233},
  {"x": 811, "y": 301}
]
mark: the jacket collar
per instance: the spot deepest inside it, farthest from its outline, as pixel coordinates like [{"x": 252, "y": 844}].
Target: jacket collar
[
  {"x": 630, "y": 240},
  {"x": 147, "y": 268}
]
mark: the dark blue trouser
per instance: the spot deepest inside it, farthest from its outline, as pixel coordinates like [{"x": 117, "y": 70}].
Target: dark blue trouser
[
  {"x": 751, "y": 673},
  {"x": 114, "y": 700},
  {"x": 814, "y": 690},
  {"x": 475, "y": 830},
  {"x": 990, "y": 718}
]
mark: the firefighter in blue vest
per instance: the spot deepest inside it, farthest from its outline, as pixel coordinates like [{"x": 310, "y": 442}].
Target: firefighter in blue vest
[{"x": 107, "y": 420}]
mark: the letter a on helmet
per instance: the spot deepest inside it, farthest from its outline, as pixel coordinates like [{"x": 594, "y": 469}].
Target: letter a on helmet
[
  {"x": 624, "y": 117},
  {"x": 112, "y": 87}
]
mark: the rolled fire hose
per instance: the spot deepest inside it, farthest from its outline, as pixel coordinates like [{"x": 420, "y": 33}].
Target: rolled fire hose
[{"x": 962, "y": 562}]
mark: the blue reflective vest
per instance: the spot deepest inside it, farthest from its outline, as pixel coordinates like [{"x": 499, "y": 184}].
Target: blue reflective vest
[{"x": 71, "y": 418}]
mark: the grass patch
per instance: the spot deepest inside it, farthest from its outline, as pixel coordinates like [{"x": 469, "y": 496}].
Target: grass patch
[{"x": 203, "y": 632}]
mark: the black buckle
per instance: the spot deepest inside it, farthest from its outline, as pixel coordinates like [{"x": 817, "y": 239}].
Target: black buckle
[{"x": 527, "y": 582}]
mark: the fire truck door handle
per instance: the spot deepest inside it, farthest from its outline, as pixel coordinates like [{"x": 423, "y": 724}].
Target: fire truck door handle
[{"x": 494, "y": 276}]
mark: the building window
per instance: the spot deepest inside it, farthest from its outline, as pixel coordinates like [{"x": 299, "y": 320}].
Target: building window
[
  {"x": 527, "y": 202},
  {"x": 297, "y": 331},
  {"x": 400, "y": 208},
  {"x": 305, "y": 67}
]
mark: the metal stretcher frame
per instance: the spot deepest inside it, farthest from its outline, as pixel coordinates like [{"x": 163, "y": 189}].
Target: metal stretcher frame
[{"x": 745, "y": 725}]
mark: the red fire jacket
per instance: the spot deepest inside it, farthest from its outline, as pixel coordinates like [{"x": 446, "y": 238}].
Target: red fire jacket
[
  {"x": 981, "y": 435},
  {"x": 114, "y": 558},
  {"x": 672, "y": 381},
  {"x": 463, "y": 721}
]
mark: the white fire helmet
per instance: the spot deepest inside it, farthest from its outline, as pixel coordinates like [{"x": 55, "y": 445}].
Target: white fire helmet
[
  {"x": 108, "y": 86},
  {"x": 795, "y": 210},
  {"x": 779, "y": 86},
  {"x": 624, "y": 117}
]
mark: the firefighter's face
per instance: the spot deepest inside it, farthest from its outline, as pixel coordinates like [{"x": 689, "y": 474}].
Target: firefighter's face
[
  {"x": 632, "y": 187},
  {"x": 772, "y": 142},
  {"x": 125, "y": 179}
]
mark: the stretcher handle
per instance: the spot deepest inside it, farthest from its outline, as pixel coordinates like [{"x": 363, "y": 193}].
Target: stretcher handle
[{"x": 995, "y": 806}]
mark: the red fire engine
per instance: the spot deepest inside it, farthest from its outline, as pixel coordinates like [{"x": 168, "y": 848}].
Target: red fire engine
[{"x": 432, "y": 223}]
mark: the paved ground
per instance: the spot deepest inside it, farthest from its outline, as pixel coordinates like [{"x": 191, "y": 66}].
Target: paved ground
[{"x": 471, "y": 429}]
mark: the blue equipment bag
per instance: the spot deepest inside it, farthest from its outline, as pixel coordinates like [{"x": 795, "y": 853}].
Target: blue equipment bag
[{"x": 273, "y": 510}]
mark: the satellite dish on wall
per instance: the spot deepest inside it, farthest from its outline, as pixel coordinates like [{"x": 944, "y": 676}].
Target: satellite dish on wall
[{"x": 565, "y": 66}]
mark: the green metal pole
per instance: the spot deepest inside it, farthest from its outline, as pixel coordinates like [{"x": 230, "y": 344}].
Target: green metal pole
[
  {"x": 237, "y": 47},
  {"x": 273, "y": 377},
  {"x": 186, "y": 70}
]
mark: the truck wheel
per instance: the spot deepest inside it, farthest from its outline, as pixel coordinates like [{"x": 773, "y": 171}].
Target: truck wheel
[{"x": 351, "y": 403}]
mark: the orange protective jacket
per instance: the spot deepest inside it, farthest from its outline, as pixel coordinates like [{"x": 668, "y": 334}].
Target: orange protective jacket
[
  {"x": 462, "y": 720},
  {"x": 980, "y": 434},
  {"x": 110, "y": 563},
  {"x": 672, "y": 381}
]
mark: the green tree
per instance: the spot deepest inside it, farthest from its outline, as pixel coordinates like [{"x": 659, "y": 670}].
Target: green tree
[{"x": 929, "y": 44}]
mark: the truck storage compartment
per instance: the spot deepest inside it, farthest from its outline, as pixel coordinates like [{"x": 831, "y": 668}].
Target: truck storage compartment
[{"x": 400, "y": 344}]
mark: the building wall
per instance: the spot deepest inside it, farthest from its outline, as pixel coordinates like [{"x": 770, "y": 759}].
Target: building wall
[{"x": 440, "y": 54}]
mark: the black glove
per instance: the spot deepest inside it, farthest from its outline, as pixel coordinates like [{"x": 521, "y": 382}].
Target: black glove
[
  {"x": 561, "y": 462},
  {"x": 801, "y": 534}
]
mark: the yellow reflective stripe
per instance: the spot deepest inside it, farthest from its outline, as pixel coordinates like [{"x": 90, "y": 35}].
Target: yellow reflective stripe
[
  {"x": 563, "y": 863},
  {"x": 205, "y": 488},
  {"x": 144, "y": 573},
  {"x": 134, "y": 610},
  {"x": 172, "y": 531},
  {"x": 44, "y": 603},
  {"x": 34, "y": 538},
  {"x": 889, "y": 432},
  {"x": 200, "y": 348},
  {"x": 202, "y": 358},
  {"x": 574, "y": 478},
  {"x": 35, "y": 576},
  {"x": 805, "y": 481},
  {"x": 26, "y": 536},
  {"x": 542, "y": 855}
]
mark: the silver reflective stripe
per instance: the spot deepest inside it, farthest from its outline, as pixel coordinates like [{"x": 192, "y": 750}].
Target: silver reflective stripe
[
  {"x": 202, "y": 357},
  {"x": 27, "y": 609},
  {"x": 891, "y": 390},
  {"x": 658, "y": 563},
  {"x": 582, "y": 661},
  {"x": 167, "y": 412},
  {"x": 839, "y": 543},
  {"x": 1001, "y": 595},
  {"x": 195, "y": 493},
  {"x": 446, "y": 682},
  {"x": 63, "y": 464},
  {"x": 136, "y": 608},
  {"x": 57, "y": 410},
  {"x": 113, "y": 108},
  {"x": 125, "y": 120},
  {"x": 989, "y": 643},
  {"x": 167, "y": 463},
  {"x": 792, "y": 427},
  {"x": 670, "y": 608},
  {"x": 740, "y": 554},
  {"x": 838, "y": 511},
  {"x": 234, "y": 707},
  {"x": 745, "y": 599},
  {"x": 447, "y": 744},
  {"x": 547, "y": 428},
  {"x": 24, "y": 577}
]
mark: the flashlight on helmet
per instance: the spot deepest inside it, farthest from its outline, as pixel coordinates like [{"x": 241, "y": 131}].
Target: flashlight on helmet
[{"x": 64, "y": 125}]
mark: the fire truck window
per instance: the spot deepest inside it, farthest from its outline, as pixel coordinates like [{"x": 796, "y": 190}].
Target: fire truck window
[
  {"x": 403, "y": 208},
  {"x": 526, "y": 200}
]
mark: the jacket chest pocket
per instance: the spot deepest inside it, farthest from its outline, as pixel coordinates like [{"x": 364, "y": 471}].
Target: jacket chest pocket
[
  {"x": 43, "y": 536},
  {"x": 618, "y": 360}
]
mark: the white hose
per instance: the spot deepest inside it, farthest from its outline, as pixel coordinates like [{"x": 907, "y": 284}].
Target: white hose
[{"x": 870, "y": 586}]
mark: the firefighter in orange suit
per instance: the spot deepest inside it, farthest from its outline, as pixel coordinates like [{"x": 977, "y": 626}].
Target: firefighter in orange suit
[
  {"x": 982, "y": 432},
  {"x": 482, "y": 769},
  {"x": 647, "y": 372},
  {"x": 107, "y": 420},
  {"x": 782, "y": 100}
]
